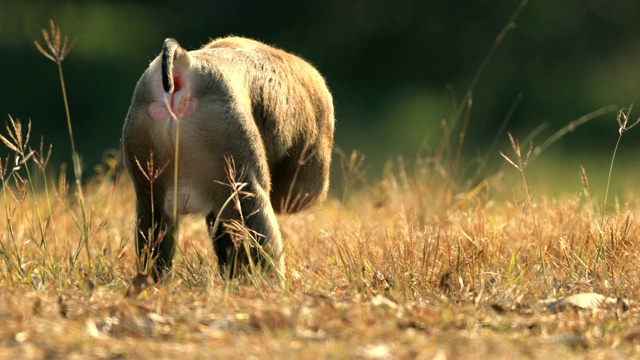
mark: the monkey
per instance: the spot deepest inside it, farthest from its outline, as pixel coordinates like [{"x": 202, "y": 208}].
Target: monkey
[{"x": 236, "y": 131}]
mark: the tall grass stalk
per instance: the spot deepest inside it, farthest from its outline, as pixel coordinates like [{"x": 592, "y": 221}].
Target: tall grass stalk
[
  {"x": 623, "y": 125},
  {"x": 520, "y": 164},
  {"x": 151, "y": 173},
  {"x": 176, "y": 122},
  {"x": 59, "y": 48}
]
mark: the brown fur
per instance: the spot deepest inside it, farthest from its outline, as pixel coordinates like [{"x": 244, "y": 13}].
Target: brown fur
[{"x": 235, "y": 98}]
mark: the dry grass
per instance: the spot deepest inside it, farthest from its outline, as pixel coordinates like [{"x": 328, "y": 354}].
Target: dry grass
[{"x": 405, "y": 268}]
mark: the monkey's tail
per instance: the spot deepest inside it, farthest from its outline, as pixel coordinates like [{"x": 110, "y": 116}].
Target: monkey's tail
[{"x": 170, "y": 50}]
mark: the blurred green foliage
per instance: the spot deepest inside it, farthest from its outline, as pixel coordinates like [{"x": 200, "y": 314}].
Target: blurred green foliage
[{"x": 396, "y": 68}]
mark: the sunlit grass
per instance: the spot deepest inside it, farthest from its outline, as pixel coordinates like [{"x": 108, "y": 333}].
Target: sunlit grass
[{"x": 387, "y": 270}]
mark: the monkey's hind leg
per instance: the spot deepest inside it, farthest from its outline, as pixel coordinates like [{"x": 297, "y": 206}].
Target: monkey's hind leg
[
  {"x": 154, "y": 242},
  {"x": 250, "y": 240}
]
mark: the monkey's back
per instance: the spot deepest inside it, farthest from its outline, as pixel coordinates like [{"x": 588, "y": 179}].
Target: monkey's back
[{"x": 292, "y": 108}]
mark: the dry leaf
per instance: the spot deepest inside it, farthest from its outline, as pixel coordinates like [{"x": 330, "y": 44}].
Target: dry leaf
[
  {"x": 583, "y": 301},
  {"x": 93, "y": 330},
  {"x": 375, "y": 352},
  {"x": 383, "y": 301}
]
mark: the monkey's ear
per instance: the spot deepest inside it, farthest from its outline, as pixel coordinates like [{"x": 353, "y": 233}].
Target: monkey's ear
[{"x": 173, "y": 56}]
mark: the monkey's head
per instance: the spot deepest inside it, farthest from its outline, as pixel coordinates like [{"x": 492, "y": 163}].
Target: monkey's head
[{"x": 171, "y": 82}]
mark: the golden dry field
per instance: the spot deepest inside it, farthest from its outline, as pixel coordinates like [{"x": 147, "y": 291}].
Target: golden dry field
[{"x": 431, "y": 261}]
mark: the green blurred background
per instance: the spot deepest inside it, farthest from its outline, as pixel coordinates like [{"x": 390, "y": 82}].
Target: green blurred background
[{"x": 395, "y": 69}]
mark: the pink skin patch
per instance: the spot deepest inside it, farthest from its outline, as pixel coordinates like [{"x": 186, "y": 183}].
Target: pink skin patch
[
  {"x": 158, "y": 111},
  {"x": 176, "y": 105}
]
